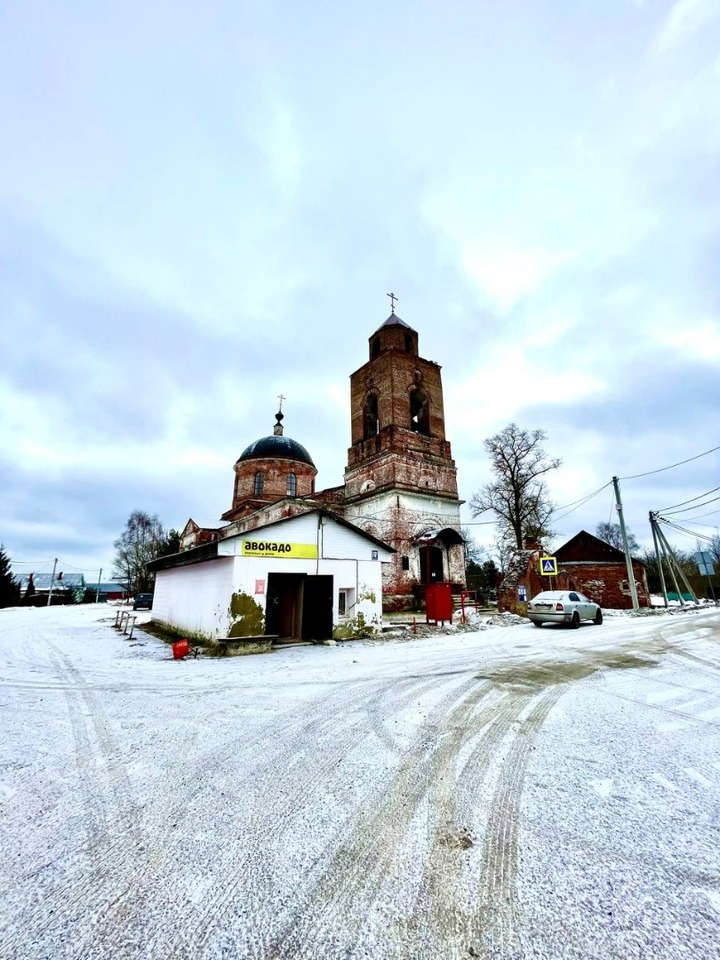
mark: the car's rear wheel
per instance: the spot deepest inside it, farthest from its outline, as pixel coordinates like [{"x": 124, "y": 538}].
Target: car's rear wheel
[
  {"x": 536, "y": 623},
  {"x": 597, "y": 619},
  {"x": 575, "y": 621}
]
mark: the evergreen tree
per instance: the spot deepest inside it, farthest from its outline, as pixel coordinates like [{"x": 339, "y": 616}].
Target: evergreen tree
[
  {"x": 9, "y": 587},
  {"x": 171, "y": 543}
]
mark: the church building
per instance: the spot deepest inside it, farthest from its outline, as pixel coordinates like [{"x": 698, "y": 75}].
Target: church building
[{"x": 399, "y": 499}]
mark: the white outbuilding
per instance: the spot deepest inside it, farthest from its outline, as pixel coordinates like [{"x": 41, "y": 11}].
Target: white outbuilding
[{"x": 307, "y": 577}]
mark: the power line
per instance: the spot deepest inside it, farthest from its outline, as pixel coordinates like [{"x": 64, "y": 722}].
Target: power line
[
  {"x": 583, "y": 499},
  {"x": 30, "y": 563},
  {"x": 577, "y": 504},
  {"x": 698, "y": 497},
  {"x": 689, "y": 533},
  {"x": 671, "y": 467},
  {"x": 702, "y": 516},
  {"x": 697, "y": 506}
]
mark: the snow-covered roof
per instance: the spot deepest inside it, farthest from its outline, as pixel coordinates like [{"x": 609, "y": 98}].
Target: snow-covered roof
[{"x": 62, "y": 581}]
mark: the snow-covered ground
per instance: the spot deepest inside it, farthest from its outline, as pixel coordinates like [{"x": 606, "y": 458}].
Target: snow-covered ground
[{"x": 506, "y": 793}]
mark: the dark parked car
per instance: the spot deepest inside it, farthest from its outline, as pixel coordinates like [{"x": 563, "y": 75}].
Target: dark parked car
[{"x": 143, "y": 601}]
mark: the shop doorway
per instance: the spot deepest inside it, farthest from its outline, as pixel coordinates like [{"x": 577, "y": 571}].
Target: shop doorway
[
  {"x": 299, "y": 607},
  {"x": 317, "y": 608}
]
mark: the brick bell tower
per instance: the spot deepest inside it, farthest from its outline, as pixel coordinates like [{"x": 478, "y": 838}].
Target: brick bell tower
[{"x": 401, "y": 480}]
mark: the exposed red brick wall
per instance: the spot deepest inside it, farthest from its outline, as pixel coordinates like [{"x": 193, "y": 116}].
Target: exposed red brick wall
[
  {"x": 392, "y": 376},
  {"x": 399, "y": 457},
  {"x": 275, "y": 477},
  {"x": 604, "y": 582}
]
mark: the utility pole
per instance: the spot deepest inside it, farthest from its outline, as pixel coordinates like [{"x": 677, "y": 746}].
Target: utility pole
[
  {"x": 668, "y": 560},
  {"x": 97, "y": 592},
  {"x": 628, "y": 558},
  {"x": 52, "y": 581},
  {"x": 653, "y": 523},
  {"x": 669, "y": 549}
]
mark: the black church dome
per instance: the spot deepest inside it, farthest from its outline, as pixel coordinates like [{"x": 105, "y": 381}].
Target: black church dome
[{"x": 276, "y": 448}]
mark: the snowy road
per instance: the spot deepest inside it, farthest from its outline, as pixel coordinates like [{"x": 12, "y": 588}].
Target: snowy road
[{"x": 511, "y": 793}]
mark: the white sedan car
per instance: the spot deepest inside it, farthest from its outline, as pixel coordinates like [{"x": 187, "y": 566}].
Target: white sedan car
[{"x": 563, "y": 606}]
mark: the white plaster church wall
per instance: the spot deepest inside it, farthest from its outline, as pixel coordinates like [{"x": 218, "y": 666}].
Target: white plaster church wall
[{"x": 420, "y": 513}]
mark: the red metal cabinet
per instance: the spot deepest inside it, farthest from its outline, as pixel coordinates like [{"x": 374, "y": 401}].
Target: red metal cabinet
[{"x": 438, "y": 602}]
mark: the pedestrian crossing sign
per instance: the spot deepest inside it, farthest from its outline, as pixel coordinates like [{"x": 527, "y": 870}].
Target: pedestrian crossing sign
[{"x": 548, "y": 566}]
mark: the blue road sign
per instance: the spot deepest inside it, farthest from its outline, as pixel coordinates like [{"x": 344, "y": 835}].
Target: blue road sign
[
  {"x": 548, "y": 566},
  {"x": 704, "y": 560}
]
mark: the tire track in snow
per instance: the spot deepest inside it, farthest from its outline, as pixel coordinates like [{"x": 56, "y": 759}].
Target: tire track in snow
[
  {"x": 447, "y": 871},
  {"x": 266, "y": 793},
  {"x": 295, "y": 797},
  {"x": 347, "y": 887},
  {"x": 119, "y": 868},
  {"x": 171, "y": 825},
  {"x": 494, "y": 927},
  {"x": 106, "y": 797}
]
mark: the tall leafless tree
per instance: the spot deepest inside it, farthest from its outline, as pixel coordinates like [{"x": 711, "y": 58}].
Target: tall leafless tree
[
  {"x": 612, "y": 533},
  {"x": 141, "y": 541},
  {"x": 518, "y": 496}
]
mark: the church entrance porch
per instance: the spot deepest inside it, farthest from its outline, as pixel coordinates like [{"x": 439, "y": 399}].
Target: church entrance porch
[{"x": 299, "y": 607}]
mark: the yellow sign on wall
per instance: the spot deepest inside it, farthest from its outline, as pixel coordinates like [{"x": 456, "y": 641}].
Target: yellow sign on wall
[{"x": 279, "y": 550}]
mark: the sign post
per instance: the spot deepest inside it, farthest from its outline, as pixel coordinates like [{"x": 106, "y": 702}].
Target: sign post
[
  {"x": 704, "y": 561},
  {"x": 548, "y": 568}
]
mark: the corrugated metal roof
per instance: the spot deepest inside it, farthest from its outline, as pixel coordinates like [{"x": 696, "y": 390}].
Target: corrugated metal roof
[{"x": 42, "y": 581}]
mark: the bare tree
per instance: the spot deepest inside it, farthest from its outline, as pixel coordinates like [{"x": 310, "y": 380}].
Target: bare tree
[
  {"x": 518, "y": 496},
  {"x": 713, "y": 548},
  {"x": 612, "y": 533},
  {"x": 141, "y": 541}
]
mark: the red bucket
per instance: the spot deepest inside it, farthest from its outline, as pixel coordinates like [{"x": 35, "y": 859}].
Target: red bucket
[{"x": 180, "y": 649}]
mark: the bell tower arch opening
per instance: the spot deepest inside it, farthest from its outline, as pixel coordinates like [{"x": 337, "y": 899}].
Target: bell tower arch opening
[
  {"x": 419, "y": 411},
  {"x": 371, "y": 419}
]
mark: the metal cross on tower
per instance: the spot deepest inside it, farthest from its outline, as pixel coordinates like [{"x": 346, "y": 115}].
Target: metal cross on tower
[
  {"x": 393, "y": 298},
  {"x": 281, "y": 398}
]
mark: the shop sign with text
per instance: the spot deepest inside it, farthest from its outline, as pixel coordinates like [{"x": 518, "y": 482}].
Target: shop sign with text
[{"x": 279, "y": 549}]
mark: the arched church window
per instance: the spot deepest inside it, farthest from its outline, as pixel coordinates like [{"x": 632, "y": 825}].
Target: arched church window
[
  {"x": 259, "y": 483},
  {"x": 375, "y": 347},
  {"x": 291, "y": 485},
  {"x": 408, "y": 343},
  {"x": 371, "y": 421},
  {"x": 419, "y": 412}
]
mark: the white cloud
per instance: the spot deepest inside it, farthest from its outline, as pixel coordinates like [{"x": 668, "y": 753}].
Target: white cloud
[
  {"x": 685, "y": 18},
  {"x": 508, "y": 275}
]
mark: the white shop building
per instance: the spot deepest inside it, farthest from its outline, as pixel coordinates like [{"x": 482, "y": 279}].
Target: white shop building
[{"x": 299, "y": 578}]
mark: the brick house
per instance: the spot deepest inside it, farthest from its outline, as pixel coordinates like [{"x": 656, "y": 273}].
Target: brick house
[{"x": 585, "y": 563}]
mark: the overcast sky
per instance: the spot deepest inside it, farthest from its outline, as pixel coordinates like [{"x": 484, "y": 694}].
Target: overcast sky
[{"x": 204, "y": 205}]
